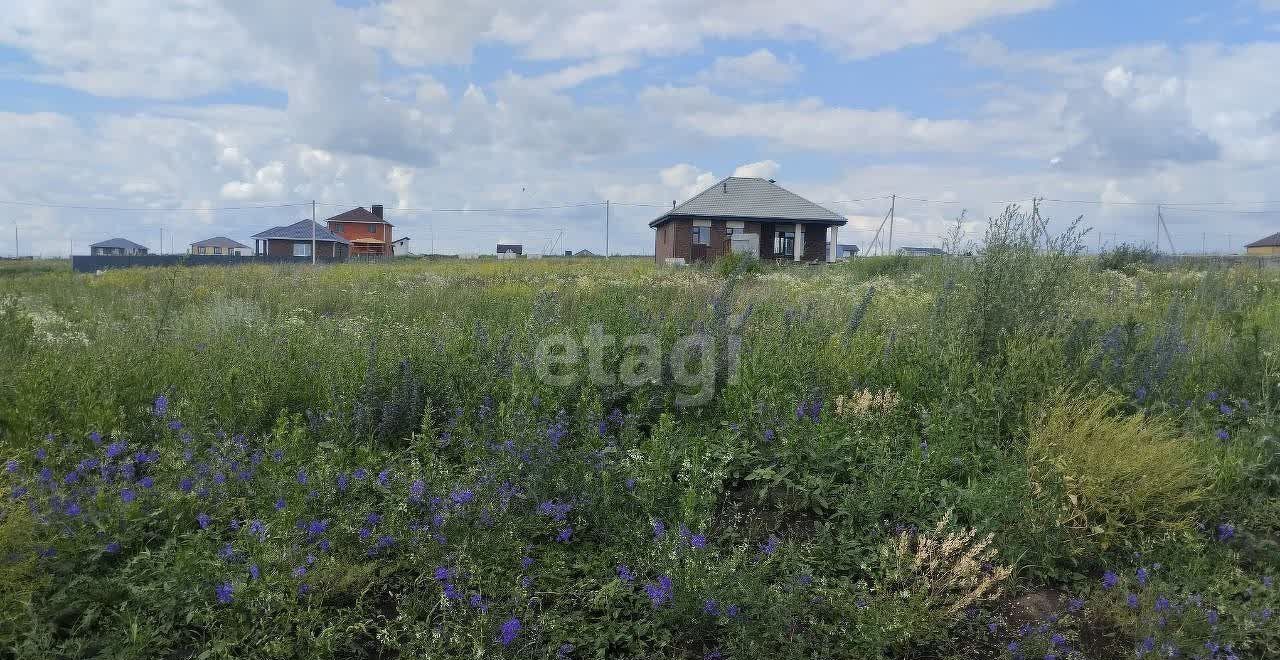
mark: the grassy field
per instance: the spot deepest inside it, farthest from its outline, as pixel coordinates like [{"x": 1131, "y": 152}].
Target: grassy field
[{"x": 1023, "y": 454}]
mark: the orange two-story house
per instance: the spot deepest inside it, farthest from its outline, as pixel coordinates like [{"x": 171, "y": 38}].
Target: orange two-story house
[{"x": 368, "y": 231}]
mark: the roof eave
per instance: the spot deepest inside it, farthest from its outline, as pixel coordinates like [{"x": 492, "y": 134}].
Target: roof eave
[{"x": 744, "y": 218}]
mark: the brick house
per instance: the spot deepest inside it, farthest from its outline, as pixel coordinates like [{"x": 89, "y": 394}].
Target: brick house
[
  {"x": 295, "y": 241},
  {"x": 747, "y": 215},
  {"x": 367, "y": 230},
  {"x": 1266, "y": 247}
]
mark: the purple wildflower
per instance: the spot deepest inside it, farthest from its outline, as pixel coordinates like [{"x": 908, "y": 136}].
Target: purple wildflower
[
  {"x": 1142, "y": 577},
  {"x": 624, "y": 574},
  {"x": 1132, "y": 601},
  {"x": 698, "y": 541},
  {"x": 510, "y": 629},
  {"x": 1110, "y": 580},
  {"x": 1226, "y": 531},
  {"x": 203, "y": 519},
  {"x": 1222, "y": 434},
  {"x": 127, "y": 495},
  {"x": 770, "y": 546},
  {"x": 660, "y": 591},
  {"x": 224, "y": 593},
  {"x": 161, "y": 406}
]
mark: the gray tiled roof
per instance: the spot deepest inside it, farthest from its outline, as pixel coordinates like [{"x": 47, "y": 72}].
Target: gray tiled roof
[
  {"x": 1270, "y": 241},
  {"x": 742, "y": 197},
  {"x": 358, "y": 214},
  {"x": 119, "y": 243},
  {"x": 219, "y": 241},
  {"x": 301, "y": 230}
]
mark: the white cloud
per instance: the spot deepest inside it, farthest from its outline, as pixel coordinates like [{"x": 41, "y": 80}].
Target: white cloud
[
  {"x": 267, "y": 183},
  {"x": 765, "y": 169},
  {"x": 758, "y": 68}
]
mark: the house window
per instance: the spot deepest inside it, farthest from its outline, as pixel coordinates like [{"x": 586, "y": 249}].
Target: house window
[
  {"x": 785, "y": 243},
  {"x": 301, "y": 249},
  {"x": 702, "y": 236},
  {"x": 217, "y": 250},
  {"x": 373, "y": 229}
]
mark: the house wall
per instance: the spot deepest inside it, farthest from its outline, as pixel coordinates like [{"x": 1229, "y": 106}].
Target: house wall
[
  {"x": 324, "y": 249},
  {"x": 1268, "y": 251},
  {"x": 815, "y": 243},
  {"x": 674, "y": 239},
  {"x": 354, "y": 230}
]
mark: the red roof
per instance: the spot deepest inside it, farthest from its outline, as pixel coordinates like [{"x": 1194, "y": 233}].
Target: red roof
[{"x": 358, "y": 214}]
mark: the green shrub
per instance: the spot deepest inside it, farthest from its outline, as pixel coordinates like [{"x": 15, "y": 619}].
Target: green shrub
[
  {"x": 1112, "y": 475},
  {"x": 1127, "y": 258}
]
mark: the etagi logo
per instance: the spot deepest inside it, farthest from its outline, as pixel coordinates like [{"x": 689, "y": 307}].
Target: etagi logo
[{"x": 692, "y": 362}]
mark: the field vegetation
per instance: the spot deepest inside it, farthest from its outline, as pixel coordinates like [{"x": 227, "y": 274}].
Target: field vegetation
[{"x": 1021, "y": 453}]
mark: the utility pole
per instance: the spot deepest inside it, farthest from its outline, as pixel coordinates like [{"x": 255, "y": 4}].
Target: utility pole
[
  {"x": 893, "y": 203},
  {"x": 606, "y": 229},
  {"x": 161, "y": 239},
  {"x": 1159, "y": 220},
  {"x": 313, "y": 232},
  {"x": 15, "y": 240}
]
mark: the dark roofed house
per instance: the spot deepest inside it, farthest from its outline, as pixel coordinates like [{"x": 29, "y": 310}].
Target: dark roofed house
[
  {"x": 1266, "y": 247},
  {"x": 585, "y": 253},
  {"x": 295, "y": 241},
  {"x": 747, "y": 215},
  {"x": 219, "y": 245},
  {"x": 116, "y": 247},
  {"x": 509, "y": 250}
]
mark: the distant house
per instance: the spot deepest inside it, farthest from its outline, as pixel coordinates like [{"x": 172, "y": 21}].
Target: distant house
[
  {"x": 844, "y": 251},
  {"x": 295, "y": 241},
  {"x": 921, "y": 251},
  {"x": 116, "y": 247},
  {"x": 509, "y": 250},
  {"x": 367, "y": 231},
  {"x": 1267, "y": 247},
  {"x": 746, "y": 215},
  {"x": 585, "y": 253},
  {"x": 219, "y": 245}
]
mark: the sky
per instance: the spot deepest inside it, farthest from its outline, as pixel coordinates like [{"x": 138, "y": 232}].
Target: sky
[{"x": 493, "y": 121}]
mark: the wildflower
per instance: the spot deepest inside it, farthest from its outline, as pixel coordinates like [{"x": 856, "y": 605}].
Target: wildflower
[
  {"x": 624, "y": 574},
  {"x": 698, "y": 541},
  {"x": 510, "y": 628},
  {"x": 1132, "y": 601},
  {"x": 280, "y": 504},
  {"x": 161, "y": 406},
  {"x": 277, "y": 455},
  {"x": 1142, "y": 577},
  {"x": 477, "y": 601},
  {"x": 1267, "y": 581},
  {"x": 1212, "y": 617},
  {"x": 365, "y": 533},
  {"x": 1212, "y": 395},
  {"x": 72, "y": 509},
  {"x": 1057, "y": 640},
  {"x": 112, "y": 547},
  {"x": 116, "y": 448},
  {"x": 360, "y": 474},
  {"x": 1075, "y": 605},
  {"x": 175, "y": 425},
  {"x": 41, "y": 454},
  {"x": 1222, "y": 434},
  {"x": 1012, "y": 647},
  {"x": 442, "y": 574},
  {"x": 630, "y": 483},
  {"x": 924, "y": 450},
  {"x": 95, "y": 438},
  {"x": 302, "y": 477},
  {"x": 1225, "y": 409},
  {"x": 300, "y": 571},
  {"x": 1109, "y": 580},
  {"x": 462, "y": 496},
  {"x": 254, "y": 572},
  {"x": 771, "y": 545},
  {"x": 11, "y": 465},
  {"x": 659, "y": 528},
  {"x": 660, "y": 591},
  {"x": 342, "y": 482},
  {"x": 224, "y": 593},
  {"x": 127, "y": 495},
  {"x": 769, "y": 435},
  {"x": 147, "y": 482},
  {"x": 203, "y": 519},
  {"x": 304, "y": 589},
  {"x": 1226, "y": 531},
  {"x": 417, "y": 490},
  {"x": 564, "y": 651},
  {"x": 451, "y": 592},
  {"x": 383, "y": 477},
  {"x": 710, "y": 607},
  {"x": 317, "y": 527},
  {"x": 564, "y": 535},
  {"x": 1162, "y": 604},
  {"x": 731, "y": 611}
]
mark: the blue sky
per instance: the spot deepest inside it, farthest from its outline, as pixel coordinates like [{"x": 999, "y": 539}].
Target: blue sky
[{"x": 187, "y": 109}]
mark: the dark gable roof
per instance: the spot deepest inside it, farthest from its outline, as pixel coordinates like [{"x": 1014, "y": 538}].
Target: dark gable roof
[
  {"x": 358, "y": 214},
  {"x": 752, "y": 199},
  {"x": 1270, "y": 241},
  {"x": 219, "y": 241},
  {"x": 119, "y": 243},
  {"x": 301, "y": 231},
  {"x": 511, "y": 247}
]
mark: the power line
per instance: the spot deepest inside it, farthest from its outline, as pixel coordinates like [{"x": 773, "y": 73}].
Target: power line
[
  {"x": 484, "y": 210},
  {"x": 82, "y": 207}
]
